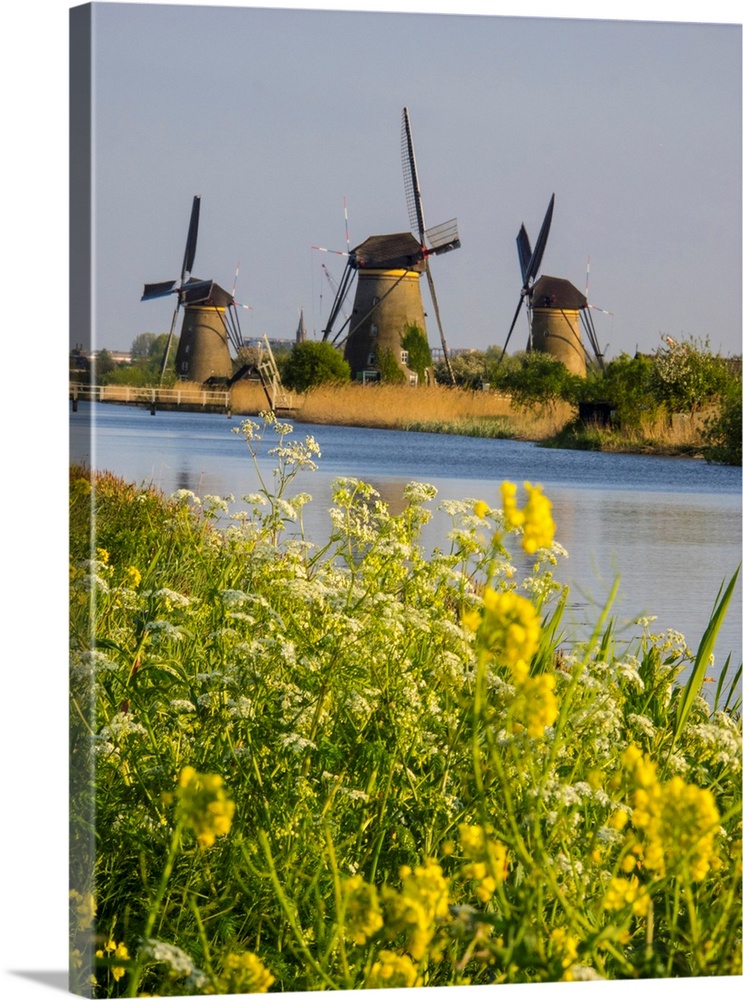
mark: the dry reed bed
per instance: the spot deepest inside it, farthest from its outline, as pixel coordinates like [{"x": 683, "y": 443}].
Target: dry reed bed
[{"x": 400, "y": 407}]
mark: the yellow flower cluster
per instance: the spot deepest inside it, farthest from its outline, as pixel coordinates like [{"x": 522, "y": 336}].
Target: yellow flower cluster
[
  {"x": 422, "y": 902},
  {"x": 362, "y": 913},
  {"x": 113, "y": 950},
  {"x": 133, "y": 576},
  {"x": 535, "y": 705},
  {"x": 204, "y": 805},
  {"x": 535, "y": 518},
  {"x": 678, "y": 821},
  {"x": 487, "y": 860},
  {"x": 245, "y": 973},
  {"x": 565, "y": 947},
  {"x": 508, "y": 628},
  {"x": 83, "y": 909},
  {"x": 393, "y": 971},
  {"x": 623, "y": 892}
]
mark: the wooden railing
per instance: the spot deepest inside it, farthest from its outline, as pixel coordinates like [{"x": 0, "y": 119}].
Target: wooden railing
[{"x": 138, "y": 395}]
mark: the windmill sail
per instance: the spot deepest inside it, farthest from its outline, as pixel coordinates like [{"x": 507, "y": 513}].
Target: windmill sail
[
  {"x": 529, "y": 262},
  {"x": 442, "y": 238}
]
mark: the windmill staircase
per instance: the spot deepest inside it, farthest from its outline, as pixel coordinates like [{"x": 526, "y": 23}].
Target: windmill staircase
[{"x": 278, "y": 398}]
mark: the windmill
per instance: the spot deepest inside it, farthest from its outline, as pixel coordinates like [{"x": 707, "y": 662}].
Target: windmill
[
  {"x": 388, "y": 297},
  {"x": 555, "y": 307},
  {"x": 210, "y": 321}
]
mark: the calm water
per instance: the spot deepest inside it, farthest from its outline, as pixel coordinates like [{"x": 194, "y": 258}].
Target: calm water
[{"x": 669, "y": 528}]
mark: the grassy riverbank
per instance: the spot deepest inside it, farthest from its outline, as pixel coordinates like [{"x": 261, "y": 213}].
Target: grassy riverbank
[{"x": 362, "y": 766}]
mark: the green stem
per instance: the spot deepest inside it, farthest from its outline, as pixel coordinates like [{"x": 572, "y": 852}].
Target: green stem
[
  {"x": 289, "y": 914},
  {"x": 175, "y": 844}
]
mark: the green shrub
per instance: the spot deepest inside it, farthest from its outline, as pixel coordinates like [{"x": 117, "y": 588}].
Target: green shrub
[
  {"x": 312, "y": 363},
  {"x": 415, "y": 342},
  {"x": 539, "y": 379},
  {"x": 722, "y": 433},
  {"x": 686, "y": 375},
  {"x": 389, "y": 370}
]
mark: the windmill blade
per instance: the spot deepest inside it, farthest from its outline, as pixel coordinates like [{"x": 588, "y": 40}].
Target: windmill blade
[
  {"x": 410, "y": 177},
  {"x": 157, "y": 289},
  {"x": 442, "y": 238},
  {"x": 341, "y": 253},
  {"x": 349, "y": 272},
  {"x": 539, "y": 246},
  {"x": 524, "y": 251},
  {"x": 513, "y": 324},
  {"x": 435, "y": 301},
  {"x": 193, "y": 235}
]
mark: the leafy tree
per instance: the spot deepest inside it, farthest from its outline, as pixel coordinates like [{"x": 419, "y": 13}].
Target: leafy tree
[
  {"x": 103, "y": 364},
  {"x": 538, "y": 379},
  {"x": 142, "y": 345},
  {"x": 311, "y": 363},
  {"x": 415, "y": 342},
  {"x": 469, "y": 369},
  {"x": 722, "y": 433},
  {"x": 687, "y": 375}
]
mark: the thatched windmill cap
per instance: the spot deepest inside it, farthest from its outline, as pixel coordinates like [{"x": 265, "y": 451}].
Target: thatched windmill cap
[
  {"x": 556, "y": 293},
  {"x": 394, "y": 250}
]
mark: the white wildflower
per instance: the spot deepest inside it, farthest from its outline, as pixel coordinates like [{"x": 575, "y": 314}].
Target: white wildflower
[
  {"x": 642, "y": 723},
  {"x": 297, "y": 743},
  {"x": 182, "y": 705}
]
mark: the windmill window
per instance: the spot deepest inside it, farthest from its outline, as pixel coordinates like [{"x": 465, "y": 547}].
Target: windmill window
[
  {"x": 372, "y": 359},
  {"x": 184, "y": 366},
  {"x": 404, "y": 357},
  {"x": 375, "y": 300}
]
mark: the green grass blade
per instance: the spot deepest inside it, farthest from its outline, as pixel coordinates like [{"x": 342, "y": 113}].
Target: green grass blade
[{"x": 706, "y": 647}]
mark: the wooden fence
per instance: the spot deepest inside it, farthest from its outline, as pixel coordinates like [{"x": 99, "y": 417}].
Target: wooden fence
[{"x": 151, "y": 397}]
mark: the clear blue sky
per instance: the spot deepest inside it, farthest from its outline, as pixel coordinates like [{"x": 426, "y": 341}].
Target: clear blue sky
[{"x": 275, "y": 116}]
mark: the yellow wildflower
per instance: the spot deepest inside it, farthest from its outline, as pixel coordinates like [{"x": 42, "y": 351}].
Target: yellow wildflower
[
  {"x": 514, "y": 517},
  {"x": 393, "y": 971},
  {"x": 133, "y": 576},
  {"x": 539, "y": 528},
  {"x": 421, "y": 903},
  {"x": 83, "y": 908},
  {"x": 488, "y": 860},
  {"x": 678, "y": 821},
  {"x": 204, "y": 805},
  {"x": 565, "y": 947},
  {"x": 119, "y": 951},
  {"x": 510, "y": 628},
  {"x": 535, "y": 518},
  {"x": 362, "y": 913},
  {"x": 102, "y": 555},
  {"x": 243, "y": 972},
  {"x": 535, "y": 705},
  {"x": 627, "y": 892},
  {"x": 481, "y": 509}
]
